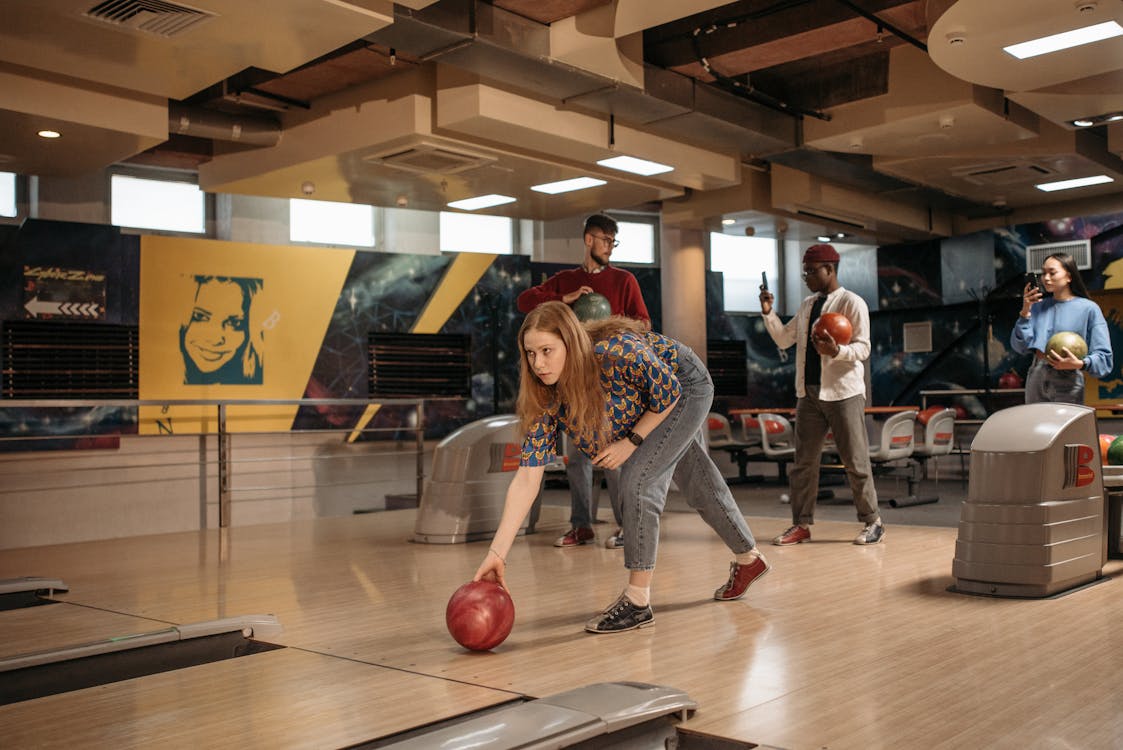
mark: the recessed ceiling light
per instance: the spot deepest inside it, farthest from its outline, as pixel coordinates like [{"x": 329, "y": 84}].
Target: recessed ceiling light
[
  {"x": 481, "y": 201},
  {"x": 49, "y": 134},
  {"x": 1083, "y": 123},
  {"x": 568, "y": 186},
  {"x": 1113, "y": 118},
  {"x": 728, "y": 222},
  {"x": 1065, "y": 40},
  {"x": 635, "y": 166},
  {"x": 824, "y": 238},
  {"x": 840, "y": 236},
  {"x": 1099, "y": 179}
]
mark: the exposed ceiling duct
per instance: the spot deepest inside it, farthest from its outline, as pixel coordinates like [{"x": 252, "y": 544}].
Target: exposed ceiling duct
[
  {"x": 207, "y": 123},
  {"x": 506, "y": 48}
]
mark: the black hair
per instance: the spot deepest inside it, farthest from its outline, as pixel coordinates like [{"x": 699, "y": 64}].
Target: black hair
[
  {"x": 1068, "y": 263},
  {"x": 604, "y": 223}
]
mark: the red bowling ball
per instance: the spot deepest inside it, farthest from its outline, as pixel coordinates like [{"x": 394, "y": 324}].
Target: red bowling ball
[
  {"x": 480, "y": 615},
  {"x": 837, "y": 325}
]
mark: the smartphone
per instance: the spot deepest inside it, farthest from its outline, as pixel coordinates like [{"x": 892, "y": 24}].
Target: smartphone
[
  {"x": 1034, "y": 280},
  {"x": 764, "y": 281}
]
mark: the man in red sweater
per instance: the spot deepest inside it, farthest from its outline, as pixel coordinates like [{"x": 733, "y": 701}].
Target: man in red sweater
[
  {"x": 593, "y": 275},
  {"x": 623, "y": 293}
]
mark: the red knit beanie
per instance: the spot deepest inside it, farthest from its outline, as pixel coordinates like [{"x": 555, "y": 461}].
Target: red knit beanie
[{"x": 820, "y": 254}]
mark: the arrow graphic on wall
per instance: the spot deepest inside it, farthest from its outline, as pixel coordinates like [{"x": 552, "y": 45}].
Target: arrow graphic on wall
[{"x": 38, "y": 308}]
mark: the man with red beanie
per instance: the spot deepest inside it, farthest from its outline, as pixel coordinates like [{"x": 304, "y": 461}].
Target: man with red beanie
[
  {"x": 620, "y": 287},
  {"x": 830, "y": 389}
]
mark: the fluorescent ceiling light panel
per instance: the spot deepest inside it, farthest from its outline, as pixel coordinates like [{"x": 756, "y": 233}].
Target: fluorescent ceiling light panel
[
  {"x": 1099, "y": 179},
  {"x": 635, "y": 166},
  {"x": 568, "y": 186},
  {"x": 1065, "y": 40},
  {"x": 481, "y": 201}
]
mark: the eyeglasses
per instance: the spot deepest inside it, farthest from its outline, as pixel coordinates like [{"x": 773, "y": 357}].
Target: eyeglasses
[
  {"x": 813, "y": 271},
  {"x": 609, "y": 241}
]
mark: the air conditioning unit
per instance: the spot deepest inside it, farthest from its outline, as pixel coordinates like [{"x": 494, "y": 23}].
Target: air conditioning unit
[
  {"x": 1080, "y": 250},
  {"x": 429, "y": 158}
]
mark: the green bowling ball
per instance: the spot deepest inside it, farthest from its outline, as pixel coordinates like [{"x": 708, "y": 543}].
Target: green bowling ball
[
  {"x": 1074, "y": 342},
  {"x": 592, "y": 306},
  {"x": 1115, "y": 452}
]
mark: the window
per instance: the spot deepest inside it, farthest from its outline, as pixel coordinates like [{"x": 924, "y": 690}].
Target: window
[
  {"x": 474, "y": 233},
  {"x": 741, "y": 260},
  {"x": 331, "y": 223},
  {"x": 157, "y": 204},
  {"x": 7, "y": 194},
  {"x": 637, "y": 242}
]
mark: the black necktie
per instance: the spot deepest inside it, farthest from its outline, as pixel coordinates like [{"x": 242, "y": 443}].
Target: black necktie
[{"x": 812, "y": 367}]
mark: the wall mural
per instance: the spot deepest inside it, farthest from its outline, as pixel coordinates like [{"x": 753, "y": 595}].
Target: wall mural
[
  {"x": 60, "y": 271},
  {"x": 239, "y": 320}
]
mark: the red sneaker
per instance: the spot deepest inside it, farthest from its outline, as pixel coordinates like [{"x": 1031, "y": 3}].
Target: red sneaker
[
  {"x": 740, "y": 578},
  {"x": 575, "y": 537},
  {"x": 794, "y": 535}
]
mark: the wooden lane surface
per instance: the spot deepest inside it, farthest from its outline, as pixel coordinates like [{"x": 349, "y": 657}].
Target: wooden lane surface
[
  {"x": 53, "y": 626},
  {"x": 839, "y": 645},
  {"x": 283, "y": 698}
]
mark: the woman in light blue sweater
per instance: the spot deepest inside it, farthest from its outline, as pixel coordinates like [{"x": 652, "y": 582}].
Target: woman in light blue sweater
[{"x": 1052, "y": 376}]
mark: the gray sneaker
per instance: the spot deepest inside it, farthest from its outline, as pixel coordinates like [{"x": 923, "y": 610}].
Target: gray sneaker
[
  {"x": 621, "y": 616},
  {"x": 616, "y": 541},
  {"x": 871, "y": 534}
]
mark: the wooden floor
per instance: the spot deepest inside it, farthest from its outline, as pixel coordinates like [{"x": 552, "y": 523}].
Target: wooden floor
[{"x": 837, "y": 647}]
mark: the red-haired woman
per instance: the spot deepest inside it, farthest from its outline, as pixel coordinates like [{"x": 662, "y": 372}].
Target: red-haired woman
[{"x": 632, "y": 400}]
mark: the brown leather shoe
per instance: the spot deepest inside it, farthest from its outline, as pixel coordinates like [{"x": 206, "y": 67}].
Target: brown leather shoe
[
  {"x": 740, "y": 578},
  {"x": 794, "y": 535},
  {"x": 575, "y": 537}
]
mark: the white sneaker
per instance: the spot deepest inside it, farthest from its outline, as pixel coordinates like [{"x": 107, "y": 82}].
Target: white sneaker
[
  {"x": 871, "y": 534},
  {"x": 616, "y": 541}
]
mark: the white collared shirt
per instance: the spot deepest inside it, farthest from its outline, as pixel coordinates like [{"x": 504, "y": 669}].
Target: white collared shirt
[{"x": 843, "y": 375}]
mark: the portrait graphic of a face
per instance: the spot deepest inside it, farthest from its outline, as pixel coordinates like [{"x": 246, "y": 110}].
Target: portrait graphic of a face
[{"x": 219, "y": 340}]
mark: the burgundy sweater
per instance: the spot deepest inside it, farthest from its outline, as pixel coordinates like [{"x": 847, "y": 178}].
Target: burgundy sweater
[{"x": 618, "y": 285}]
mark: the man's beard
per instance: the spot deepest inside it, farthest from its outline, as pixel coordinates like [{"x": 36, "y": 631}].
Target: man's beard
[{"x": 600, "y": 260}]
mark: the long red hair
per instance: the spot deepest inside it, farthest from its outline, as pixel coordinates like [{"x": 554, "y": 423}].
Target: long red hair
[{"x": 578, "y": 386}]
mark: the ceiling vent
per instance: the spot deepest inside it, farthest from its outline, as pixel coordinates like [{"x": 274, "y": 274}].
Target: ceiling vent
[
  {"x": 835, "y": 218},
  {"x": 150, "y": 16},
  {"x": 1003, "y": 173},
  {"x": 427, "y": 158},
  {"x": 1080, "y": 250}
]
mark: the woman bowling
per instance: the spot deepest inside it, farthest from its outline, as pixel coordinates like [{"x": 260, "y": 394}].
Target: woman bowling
[
  {"x": 634, "y": 401},
  {"x": 1052, "y": 376}
]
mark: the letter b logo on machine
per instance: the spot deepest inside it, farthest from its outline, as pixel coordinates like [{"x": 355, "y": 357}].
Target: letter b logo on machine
[{"x": 1078, "y": 469}]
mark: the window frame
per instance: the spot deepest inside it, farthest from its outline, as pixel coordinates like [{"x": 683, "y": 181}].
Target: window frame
[
  {"x": 773, "y": 280},
  {"x": 375, "y": 227},
  {"x": 625, "y": 217},
  {"x": 161, "y": 175},
  {"x": 512, "y": 233}
]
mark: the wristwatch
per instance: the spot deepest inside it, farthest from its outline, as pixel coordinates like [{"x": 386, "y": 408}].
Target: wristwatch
[{"x": 634, "y": 439}]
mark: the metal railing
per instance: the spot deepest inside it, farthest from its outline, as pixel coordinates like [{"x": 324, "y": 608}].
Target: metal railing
[{"x": 220, "y": 417}]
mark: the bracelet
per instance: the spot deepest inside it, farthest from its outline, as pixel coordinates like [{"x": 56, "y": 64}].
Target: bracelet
[{"x": 501, "y": 558}]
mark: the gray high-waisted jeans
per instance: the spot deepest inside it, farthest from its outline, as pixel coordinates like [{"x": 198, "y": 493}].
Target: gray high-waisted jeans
[
  {"x": 677, "y": 449},
  {"x": 1046, "y": 383}
]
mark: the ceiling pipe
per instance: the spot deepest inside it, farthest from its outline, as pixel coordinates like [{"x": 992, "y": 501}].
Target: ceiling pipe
[
  {"x": 885, "y": 25},
  {"x": 184, "y": 119}
]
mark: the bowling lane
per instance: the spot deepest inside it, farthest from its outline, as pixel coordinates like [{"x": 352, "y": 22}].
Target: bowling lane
[
  {"x": 52, "y": 626},
  {"x": 283, "y": 698}
]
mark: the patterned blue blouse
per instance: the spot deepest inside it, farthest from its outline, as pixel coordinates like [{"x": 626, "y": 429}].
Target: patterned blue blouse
[{"x": 637, "y": 372}]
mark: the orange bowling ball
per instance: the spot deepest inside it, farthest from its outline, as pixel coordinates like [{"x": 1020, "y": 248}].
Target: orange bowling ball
[
  {"x": 837, "y": 325},
  {"x": 1105, "y": 443},
  {"x": 925, "y": 416}
]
